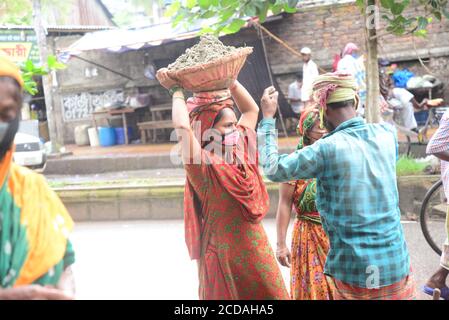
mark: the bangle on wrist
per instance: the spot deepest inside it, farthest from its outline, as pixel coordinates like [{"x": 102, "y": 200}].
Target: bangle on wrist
[{"x": 174, "y": 89}]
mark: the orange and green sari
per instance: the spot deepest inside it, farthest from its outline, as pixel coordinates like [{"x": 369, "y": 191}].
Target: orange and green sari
[
  {"x": 34, "y": 229},
  {"x": 310, "y": 244}
]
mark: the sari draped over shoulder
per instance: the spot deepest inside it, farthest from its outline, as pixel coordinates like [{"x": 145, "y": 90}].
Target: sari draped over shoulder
[
  {"x": 224, "y": 203},
  {"x": 34, "y": 228}
]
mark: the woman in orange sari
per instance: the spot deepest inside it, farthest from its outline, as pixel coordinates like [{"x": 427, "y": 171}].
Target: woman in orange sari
[
  {"x": 225, "y": 198},
  {"x": 310, "y": 244}
]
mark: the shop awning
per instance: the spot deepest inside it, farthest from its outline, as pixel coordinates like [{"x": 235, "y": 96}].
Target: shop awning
[{"x": 120, "y": 40}]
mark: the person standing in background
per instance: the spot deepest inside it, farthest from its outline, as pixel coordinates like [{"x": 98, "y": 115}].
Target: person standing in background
[
  {"x": 294, "y": 98},
  {"x": 351, "y": 62},
  {"x": 295, "y": 95},
  {"x": 309, "y": 73}
]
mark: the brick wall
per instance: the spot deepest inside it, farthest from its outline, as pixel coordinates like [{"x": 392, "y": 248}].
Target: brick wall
[{"x": 327, "y": 29}]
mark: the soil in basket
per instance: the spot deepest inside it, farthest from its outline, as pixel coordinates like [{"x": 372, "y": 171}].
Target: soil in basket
[{"x": 208, "y": 49}]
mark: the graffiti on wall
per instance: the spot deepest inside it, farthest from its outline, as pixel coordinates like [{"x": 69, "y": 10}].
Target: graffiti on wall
[{"x": 80, "y": 106}]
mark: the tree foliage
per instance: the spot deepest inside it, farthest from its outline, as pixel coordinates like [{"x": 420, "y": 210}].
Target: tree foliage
[
  {"x": 30, "y": 70},
  {"x": 399, "y": 23},
  {"x": 20, "y": 12},
  {"x": 230, "y": 14},
  {"x": 131, "y": 10}
]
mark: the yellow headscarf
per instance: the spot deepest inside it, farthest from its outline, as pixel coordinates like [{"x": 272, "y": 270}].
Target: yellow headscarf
[
  {"x": 9, "y": 69},
  {"x": 334, "y": 87}
]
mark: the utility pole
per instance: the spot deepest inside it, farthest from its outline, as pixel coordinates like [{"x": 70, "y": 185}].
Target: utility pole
[
  {"x": 371, "y": 14},
  {"x": 41, "y": 39}
]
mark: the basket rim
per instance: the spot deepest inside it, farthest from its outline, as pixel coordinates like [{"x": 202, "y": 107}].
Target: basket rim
[{"x": 244, "y": 51}]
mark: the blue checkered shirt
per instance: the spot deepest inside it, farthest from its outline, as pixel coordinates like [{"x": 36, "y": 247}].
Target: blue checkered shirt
[{"x": 357, "y": 197}]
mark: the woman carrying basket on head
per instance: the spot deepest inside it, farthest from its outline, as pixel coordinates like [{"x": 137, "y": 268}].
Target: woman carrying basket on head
[{"x": 225, "y": 198}]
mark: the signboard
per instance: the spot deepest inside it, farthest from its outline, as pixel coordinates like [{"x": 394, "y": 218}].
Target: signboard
[
  {"x": 19, "y": 45},
  {"x": 80, "y": 106}
]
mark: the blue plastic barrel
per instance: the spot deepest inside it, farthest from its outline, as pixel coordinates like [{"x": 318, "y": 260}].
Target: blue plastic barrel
[
  {"x": 106, "y": 136},
  {"x": 120, "y": 135},
  {"x": 421, "y": 117}
]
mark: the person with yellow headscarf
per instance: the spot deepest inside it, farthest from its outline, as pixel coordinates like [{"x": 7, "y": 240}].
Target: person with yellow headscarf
[
  {"x": 356, "y": 192},
  {"x": 35, "y": 253}
]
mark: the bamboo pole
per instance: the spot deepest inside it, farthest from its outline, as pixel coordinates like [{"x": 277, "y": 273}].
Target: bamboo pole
[
  {"x": 282, "y": 42},
  {"x": 272, "y": 80}
]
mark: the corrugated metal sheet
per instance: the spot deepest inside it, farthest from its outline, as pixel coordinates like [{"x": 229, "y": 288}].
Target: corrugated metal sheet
[
  {"x": 52, "y": 28},
  {"x": 317, "y": 3},
  {"x": 120, "y": 40},
  {"x": 90, "y": 13}
]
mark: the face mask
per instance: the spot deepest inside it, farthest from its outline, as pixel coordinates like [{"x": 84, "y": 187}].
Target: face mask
[
  {"x": 231, "y": 139},
  {"x": 8, "y": 131},
  {"x": 356, "y": 55}
]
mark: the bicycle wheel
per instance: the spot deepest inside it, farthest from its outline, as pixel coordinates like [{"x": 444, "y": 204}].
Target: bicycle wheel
[{"x": 433, "y": 217}]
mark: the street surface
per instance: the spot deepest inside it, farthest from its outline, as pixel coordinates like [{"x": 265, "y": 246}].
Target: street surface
[{"x": 149, "y": 260}]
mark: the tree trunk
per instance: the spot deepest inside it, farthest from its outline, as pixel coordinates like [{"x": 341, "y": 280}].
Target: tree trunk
[
  {"x": 41, "y": 39},
  {"x": 372, "y": 110}
]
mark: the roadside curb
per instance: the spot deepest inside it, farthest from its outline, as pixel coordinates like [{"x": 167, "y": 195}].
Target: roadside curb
[{"x": 166, "y": 201}]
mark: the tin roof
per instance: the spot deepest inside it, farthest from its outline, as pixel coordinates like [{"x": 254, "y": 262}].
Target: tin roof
[
  {"x": 60, "y": 29},
  {"x": 317, "y": 3}
]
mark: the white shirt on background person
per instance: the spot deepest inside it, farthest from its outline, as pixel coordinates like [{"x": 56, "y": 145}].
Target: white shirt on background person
[
  {"x": 309, "y": 73},
  {"x": 295, "y": 92}
]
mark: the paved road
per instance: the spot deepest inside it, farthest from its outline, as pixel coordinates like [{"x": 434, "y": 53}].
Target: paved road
[{"x": 149, "y": 260}]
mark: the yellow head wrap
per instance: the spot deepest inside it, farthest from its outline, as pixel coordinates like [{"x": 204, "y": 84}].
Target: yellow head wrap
[
  {"x": 334, "y": 87},
  {"x": 9, "y": 69}
]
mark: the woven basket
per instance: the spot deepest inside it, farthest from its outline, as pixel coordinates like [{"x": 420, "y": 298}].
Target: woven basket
[{"x": 215, "y": 75}]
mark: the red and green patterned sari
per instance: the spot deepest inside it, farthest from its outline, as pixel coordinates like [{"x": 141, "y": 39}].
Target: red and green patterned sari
[{"x": 224, "y": 205}]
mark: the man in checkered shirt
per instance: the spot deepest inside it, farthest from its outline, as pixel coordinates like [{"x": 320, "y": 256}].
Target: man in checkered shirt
[
  {"x": 439, "y": 147},
  {"x": 357, "y": 196}
]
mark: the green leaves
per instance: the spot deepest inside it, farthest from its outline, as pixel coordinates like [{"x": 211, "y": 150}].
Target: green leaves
[
  {"x": 30, "y": 70},
  {"x": 289, "y": 9},
  {"x": 20, "y": 12},
  {"x": 397, "y": 8},
  {"x": 250, "y": 11},
  {"x": 235, "y": 26},
  {"x": 292, "y": 3},
  {"x": 230, "y": 14},
  {"x": 54, "y": 64},
  {"x": 400, "y": 22},
  {"x": 422, "y": 23},
  {"x": 204, "y": 4},
  {"x": 190, "y": 3},
  {"x": 385, "y": 3},
  {"x": 174, "y": 8}
]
